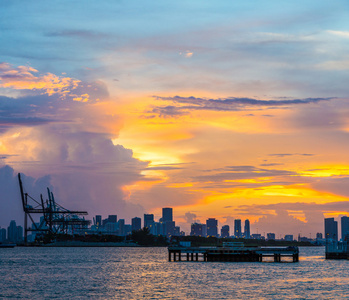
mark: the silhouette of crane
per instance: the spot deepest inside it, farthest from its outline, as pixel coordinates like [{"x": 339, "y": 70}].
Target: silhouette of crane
[{"x": 55, "y": 218}]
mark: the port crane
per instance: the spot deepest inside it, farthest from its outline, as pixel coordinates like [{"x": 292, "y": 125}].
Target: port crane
[{"x": 55, "y": 218}]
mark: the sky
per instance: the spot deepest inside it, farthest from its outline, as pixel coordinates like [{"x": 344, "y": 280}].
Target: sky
[{"x": 225, "y": 109}]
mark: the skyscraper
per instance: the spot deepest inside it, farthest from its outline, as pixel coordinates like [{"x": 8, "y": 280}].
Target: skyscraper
[
  {"x": 98, "y": 221},
  {"x": 112, "y": 218},
  {"x": 148, "y": 220},
  {"x": 196, "y": 229},
  {"x": 167, "y": 214},
  {"x": 12, "y": 232},
  {"x": 225, "y": 231},
  {"x": 2, "y": 234},
  {"x": 212, "y": 227},
  {"x": 344, "y": 226},
  {"x": 237, "y": 228},
  {"x": 270, "y": 236},
  {"x": 331, "y": 229},
  {"x": 121, "y": 226},
  {"x": 136, "y": 223},
  {"x": 247, "y": 231}
]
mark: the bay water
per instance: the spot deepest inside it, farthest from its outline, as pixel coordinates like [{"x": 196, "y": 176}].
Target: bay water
[{"x": 145, "y": 273}]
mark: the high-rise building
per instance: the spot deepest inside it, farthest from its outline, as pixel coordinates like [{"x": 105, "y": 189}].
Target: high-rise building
[
  {"x": 289, "y": 237},
  {"x": 237, "y": 228},
  {"x": 12, "y": 232},
  {"x": 169, "y": 228},
  {"x": 247, "y": 230},
  {"x": 167, "y": 214},
  {"x": 121, "y": 226},
  {"x": 156, "y": 228},
  {"x": 19, "y": 233},
  {"x": 98, "y": 221},
  {"x": 212, "y": 227},
  {"x": 331, "y": 229},
  {"x": 319, "y": 236},
  {"x": 112, "y": 219},
  {"x": 177, "y": 231},
  {"x": 111, "y": 228},
  {"x": 225, "y": 231},
  {"x": 270, "y": 236},
  {"x": 127, "y": 229},
  {"x": 148, "y": 220},
  {"x": 196, "y": 229},
  {"x": 2, "y": 235},
  {"x": 136, "y": 223},
  {"x": 344, "y": 227}
]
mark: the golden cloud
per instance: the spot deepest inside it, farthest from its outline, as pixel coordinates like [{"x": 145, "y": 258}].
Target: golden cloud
[{"x": 26, "y": 78}]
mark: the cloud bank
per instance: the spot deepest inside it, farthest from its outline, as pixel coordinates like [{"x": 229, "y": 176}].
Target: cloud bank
[{"x": 184, "y": 105}]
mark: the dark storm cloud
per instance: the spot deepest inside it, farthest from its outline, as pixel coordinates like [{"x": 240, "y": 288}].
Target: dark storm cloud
[{"x": 187, "y": 104}]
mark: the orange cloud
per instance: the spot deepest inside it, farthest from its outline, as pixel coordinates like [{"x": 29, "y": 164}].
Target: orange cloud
[{"x": 24, "y": 78}]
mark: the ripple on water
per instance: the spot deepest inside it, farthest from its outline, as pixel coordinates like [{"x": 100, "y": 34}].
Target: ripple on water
[{"x": 145, "y": 273}]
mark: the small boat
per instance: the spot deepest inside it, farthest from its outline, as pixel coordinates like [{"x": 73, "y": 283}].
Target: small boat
[{"x": 7, "y": 245}]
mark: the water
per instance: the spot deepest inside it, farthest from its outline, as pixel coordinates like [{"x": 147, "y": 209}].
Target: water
[{"x": 145, "y": 273}]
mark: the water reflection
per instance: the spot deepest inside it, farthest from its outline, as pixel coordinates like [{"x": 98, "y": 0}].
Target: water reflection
[{"x": 135, "y": 273}]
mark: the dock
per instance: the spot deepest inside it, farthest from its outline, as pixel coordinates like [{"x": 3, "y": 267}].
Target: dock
[
  {"x": 337, "y": 250},
  {"x": 231, "y": 253}
]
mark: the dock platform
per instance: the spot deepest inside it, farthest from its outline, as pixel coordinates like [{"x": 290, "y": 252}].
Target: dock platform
[
  {"x": 337, "y": 250},
  {"x": 231, "y": 254}
]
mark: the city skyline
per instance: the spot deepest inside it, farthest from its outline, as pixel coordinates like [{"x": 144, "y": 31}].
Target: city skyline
[
  {"x": 227, "y": 110},
  {"x": 166, "y": 226}
]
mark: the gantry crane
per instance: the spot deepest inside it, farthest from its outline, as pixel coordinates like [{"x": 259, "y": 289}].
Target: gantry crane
[{"x": 56, "y": 219}]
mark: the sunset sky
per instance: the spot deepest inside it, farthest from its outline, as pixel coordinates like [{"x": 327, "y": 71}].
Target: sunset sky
[{"x": 225, "y": 109}]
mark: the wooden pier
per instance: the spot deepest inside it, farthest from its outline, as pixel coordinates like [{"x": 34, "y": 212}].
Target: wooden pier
[{"x": 231, "y": 254}]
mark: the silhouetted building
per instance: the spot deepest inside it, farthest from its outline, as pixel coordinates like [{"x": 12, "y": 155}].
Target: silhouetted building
[
  {"x": 303, "y": 238},
  {"x": 19, "y": 233},
  {"x": 111, "y": 228},
  {"x": 196, "y": 229},
  {"x": 136, "y": 223},
  {"x": 169, "y": 228},
  {"x": 256, "y": 236},
  {"x": 112, "y": 219},
  {"x": 225, "y": 231},
  {"x": 127, "y": 229},
  {"x": 237, "y": 228},
  {"x": 319, "y": 236},
  {"x": 212, "y": 227},
  {"x": 247, "y": 230},
  {"x": 270, "y": 236},
  {"x": 121, "y": 226},
  {"x": 98, "y": 221},
  {"x": 2, "y": 235},
  {"x": 167, "y": 214},
  {"x": 155, "y": 228},
  {"x": 331, "y": 229},
  {"x": 148, "y": 220},
  {"x": 12, "y": 232},
  {"x": 289, "y": 237},
  {"x": 177, "y": 231},
  {"x": 344, "y": 226}
]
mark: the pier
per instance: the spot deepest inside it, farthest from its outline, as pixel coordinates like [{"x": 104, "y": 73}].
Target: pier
[
  {"x": 231, "y": 253},
  {"x": 337, "y": 250}
]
